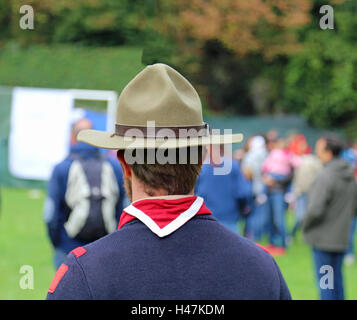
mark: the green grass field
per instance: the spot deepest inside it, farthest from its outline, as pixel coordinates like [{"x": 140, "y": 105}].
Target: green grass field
[{"x": 23, "y": 241}]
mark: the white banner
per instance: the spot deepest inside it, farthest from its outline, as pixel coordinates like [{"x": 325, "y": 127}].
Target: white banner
[{"x": 40, "y": 129}]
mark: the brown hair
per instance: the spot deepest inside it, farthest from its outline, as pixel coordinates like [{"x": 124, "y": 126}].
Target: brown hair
[{"x": 176, "y": 178}]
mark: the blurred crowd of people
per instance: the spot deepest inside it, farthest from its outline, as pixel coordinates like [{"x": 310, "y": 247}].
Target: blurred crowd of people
[
  {"x": 270, "y": 175},
  {"x": 273, "y": 175}
]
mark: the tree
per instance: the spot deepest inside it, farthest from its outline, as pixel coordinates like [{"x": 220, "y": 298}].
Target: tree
[
  {"x": 223, "y": 44},
  {"x": 87, "y": 22},
  {"x": 268, "y": 56},
  {"x": 320, "y": 81}
]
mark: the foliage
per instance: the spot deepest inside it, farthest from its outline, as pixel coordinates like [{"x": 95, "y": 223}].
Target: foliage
[
  {"x": 268, "y": 56},
  {"x": 89, "y": 22},
  {"x": 246, "y": 57},
  {"x": 229, "y": 47},
  {"x": 321, "y": 80},
  {"x": 157, "y": 49},
  {"x": 5, "y": 14},
  {"x": 256, "y": 26}
]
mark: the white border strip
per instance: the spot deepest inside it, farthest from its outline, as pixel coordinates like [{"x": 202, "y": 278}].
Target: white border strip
[
  {"x": 101, "y": 95},
  {"x": 173, "y": 225}
]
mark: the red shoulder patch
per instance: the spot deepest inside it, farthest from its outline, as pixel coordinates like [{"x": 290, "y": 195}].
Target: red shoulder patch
[
  {"x": 80, "y": 251},
  {"x": 262, "y": 247},
  {"x": 57, "y": 278}
]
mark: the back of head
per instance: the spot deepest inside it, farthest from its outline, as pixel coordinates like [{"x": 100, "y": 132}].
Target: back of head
[
  {"x": 257, "y": 143},
  {"x": 173, "y": 170},
  {"x": 333, "y": 144},
  {"x": 81, "y": 124}
]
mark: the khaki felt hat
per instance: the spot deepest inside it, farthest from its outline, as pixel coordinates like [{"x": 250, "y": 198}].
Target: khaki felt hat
[{"x": 159, "y": 108}]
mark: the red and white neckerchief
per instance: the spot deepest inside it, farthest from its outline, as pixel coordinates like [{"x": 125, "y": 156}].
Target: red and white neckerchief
[{"x": 164, "y": 216}]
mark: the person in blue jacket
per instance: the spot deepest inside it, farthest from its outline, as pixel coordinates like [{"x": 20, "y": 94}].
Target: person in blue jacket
[
  {"x": 69, "y": 209},
  {"x": 226, "y": 194},
  {"x": 169, "y": 245}
]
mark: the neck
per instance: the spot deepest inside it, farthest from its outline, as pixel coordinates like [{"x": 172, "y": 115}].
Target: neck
[
  {"x": 166, "y": 197},
  {"x": 139, "y": 192},
  {"x": 158, "y": 195}
]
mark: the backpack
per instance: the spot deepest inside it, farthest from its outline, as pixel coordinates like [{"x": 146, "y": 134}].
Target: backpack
[{"x": 92, "y": 194}]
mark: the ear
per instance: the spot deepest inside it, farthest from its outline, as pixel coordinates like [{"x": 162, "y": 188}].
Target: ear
[
  {"x": 125, "y": 166},
  {"x": 205, "y": 153},
  {"x": 72, "y": 140}
]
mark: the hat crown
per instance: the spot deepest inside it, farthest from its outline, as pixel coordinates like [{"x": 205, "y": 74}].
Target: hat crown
[{"x": 161, "y": 94}]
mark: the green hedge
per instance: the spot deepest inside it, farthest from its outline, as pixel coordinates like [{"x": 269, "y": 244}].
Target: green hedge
[{"x": 64, "y": 66}]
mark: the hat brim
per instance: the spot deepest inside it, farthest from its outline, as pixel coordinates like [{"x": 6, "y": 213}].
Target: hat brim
[{"x": 108, "y": 140}]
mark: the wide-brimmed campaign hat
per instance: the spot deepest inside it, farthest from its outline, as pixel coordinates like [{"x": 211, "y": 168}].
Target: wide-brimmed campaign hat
[{"x": 160, "y": 109}]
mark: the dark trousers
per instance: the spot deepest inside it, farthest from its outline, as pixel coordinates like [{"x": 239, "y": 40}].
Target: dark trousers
[
  {"x": 276, "y": 207},
  {"x": 330, "y": 285}
]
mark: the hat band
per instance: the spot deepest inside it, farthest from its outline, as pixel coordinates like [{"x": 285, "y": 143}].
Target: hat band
[{"x": 162, "y": 132}]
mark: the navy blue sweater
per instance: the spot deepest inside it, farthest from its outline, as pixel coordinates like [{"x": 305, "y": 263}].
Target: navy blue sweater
[{"x": 200, "y": 260}]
